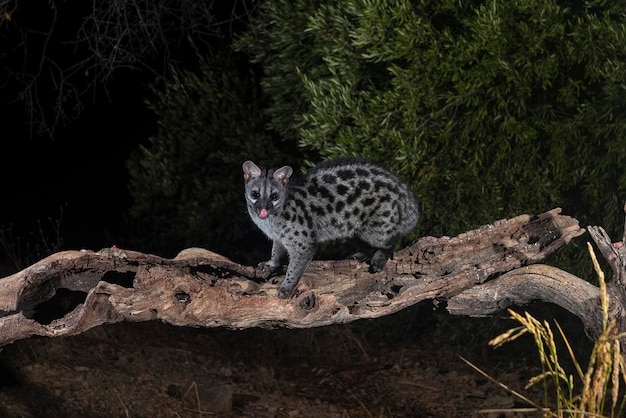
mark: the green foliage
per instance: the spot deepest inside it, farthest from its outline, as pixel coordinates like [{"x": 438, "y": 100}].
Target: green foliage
[
  {"x": 488, "y": 109},
  {"x": 187, "y": 182},
  {"x": 278, "y": 43}
]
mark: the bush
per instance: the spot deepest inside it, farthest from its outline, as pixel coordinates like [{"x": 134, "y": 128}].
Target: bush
[{"x": 488, "y": 109}]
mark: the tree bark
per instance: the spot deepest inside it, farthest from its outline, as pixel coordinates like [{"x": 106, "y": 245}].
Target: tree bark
[{"x": 476, "y": 273}]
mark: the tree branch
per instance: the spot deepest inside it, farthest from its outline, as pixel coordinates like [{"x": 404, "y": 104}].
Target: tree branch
[
  {"x": 533, "y": 283},
  {"x": 51, "y": 69},
  {"x": 72, "y": 291}
]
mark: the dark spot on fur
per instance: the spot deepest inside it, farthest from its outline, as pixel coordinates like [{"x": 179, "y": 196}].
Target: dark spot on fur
[
  {"x": 369, "y": 201},
  {"x": 326, "y": 194},
  {"x": 317, "y": 210},
  {"x": 301, "y": 205},
  {"x": 354, "y": 196},
  {"x": 329, "y": 178},
  {"x": 378, "y": 185},
  {"x": 345, "y": 174},
  {"x": 364, "y": 185}
]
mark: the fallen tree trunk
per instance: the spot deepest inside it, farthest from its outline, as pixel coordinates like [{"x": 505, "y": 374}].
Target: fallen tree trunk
[{"x": 477, "y": 273}]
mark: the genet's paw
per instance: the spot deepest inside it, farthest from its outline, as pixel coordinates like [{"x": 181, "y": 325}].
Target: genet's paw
[
  {"x": 267, "y": 268},
  {"x": 284, "y": 293},
  {"x": 286, "y": 288},
  {"x": 378, "y": 261}
]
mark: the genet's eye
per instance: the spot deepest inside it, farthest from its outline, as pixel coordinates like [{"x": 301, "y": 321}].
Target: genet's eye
[
  {"x": 274, "y": 196},
  {"x": 255, "y": 194}
]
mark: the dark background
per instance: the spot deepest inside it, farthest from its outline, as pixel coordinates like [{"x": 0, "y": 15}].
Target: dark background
[
  {"x": 70, "y": 178},
  {"x": 78, "y": 176},
  {"x": 81, "y": 172}
]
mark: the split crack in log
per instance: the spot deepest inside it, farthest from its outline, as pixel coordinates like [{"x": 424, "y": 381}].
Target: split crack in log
[{"x": 477, "y": 273}]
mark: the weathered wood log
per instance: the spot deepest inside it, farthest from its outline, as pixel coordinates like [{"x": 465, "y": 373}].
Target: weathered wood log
[
  {"x": 72, "y": 291},
  {"x": 550, "y": 284}
]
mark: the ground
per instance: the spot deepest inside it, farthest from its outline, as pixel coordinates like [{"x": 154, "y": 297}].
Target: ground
[{"x": 408, "y": 364}]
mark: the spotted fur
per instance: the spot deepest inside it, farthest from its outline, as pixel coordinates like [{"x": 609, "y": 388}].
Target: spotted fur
[{"x": 341, "y": 198}]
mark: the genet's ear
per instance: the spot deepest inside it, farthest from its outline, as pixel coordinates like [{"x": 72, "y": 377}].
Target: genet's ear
[
  {"x": 282, "y": 174},
  {"x": 250, "y": 171}
]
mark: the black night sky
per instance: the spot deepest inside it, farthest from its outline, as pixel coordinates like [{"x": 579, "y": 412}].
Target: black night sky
[
  {"x": 79, "y": 173},
  {"x": 82, "y": 169}
]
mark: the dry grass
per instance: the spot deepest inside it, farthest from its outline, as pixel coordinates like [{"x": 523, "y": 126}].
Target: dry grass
[{"x": 594, "y": 393}]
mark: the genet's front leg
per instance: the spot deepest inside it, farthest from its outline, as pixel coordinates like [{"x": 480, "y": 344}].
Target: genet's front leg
[
  {"x": 278, "y": 253},
  {"x": 299, "y": 259}
]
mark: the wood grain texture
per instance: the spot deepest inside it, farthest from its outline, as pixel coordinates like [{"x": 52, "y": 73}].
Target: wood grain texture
[{"x": 72, "y": 291}]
